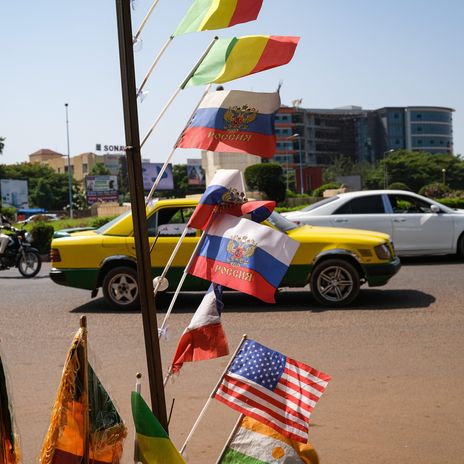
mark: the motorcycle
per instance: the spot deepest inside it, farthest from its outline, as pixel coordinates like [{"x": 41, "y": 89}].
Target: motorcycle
[{"x": 21, "y": 254}]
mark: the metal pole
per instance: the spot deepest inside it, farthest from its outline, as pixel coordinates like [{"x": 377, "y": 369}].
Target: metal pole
[
  {"x": 69, "y": 165},
  {"x": 134, "y": 165},
  {"x": 301, "y": 167}
]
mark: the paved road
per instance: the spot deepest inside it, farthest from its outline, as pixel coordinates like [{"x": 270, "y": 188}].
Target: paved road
[{"x": 396, "y": 359}]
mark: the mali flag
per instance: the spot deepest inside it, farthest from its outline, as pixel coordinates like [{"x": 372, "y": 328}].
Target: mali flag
[
  {"x": 237, "y": 57},
  {"x": 64, "y": 442},
  {"x": 154, "y": 444}
]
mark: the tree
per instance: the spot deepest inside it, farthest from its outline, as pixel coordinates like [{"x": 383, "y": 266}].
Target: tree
[
  {"x": 267, "y": 178},
  {"x": 100, "y": 170}
]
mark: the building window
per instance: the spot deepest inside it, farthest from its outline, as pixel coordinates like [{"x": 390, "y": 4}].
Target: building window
[
  {"x": 418, "y": 116},
  {"x": 85, "y": 168},
  {"x": 396, "y": 115},
  {"x": 419, "y": 129}
]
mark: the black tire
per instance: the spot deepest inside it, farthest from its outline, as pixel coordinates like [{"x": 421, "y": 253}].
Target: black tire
[
  {"x": 120, "y": 288},
  {"x": 29, "y": 264},
  {"x": 461, "y": 246},
  {"x": 335, "y": 282}
]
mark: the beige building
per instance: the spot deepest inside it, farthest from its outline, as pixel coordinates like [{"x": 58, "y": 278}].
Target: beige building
[
  {"x": 81, "y": 165},
  {"x": 212, "y": 161}
]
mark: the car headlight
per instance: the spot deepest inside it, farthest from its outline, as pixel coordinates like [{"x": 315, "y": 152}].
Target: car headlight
[{"x": 383, "y": 252}]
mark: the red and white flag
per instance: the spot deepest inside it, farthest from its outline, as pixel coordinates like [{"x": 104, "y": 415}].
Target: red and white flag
[
  {"x": 204, "y": 338},
  {"x": 272, "y": 388}
]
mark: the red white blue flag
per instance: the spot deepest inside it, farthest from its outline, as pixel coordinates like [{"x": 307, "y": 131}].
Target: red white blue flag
[
  {"x": 204, "y": 338},
  {"x": 272, "y": 388},
  {"x": 234, "y": 121},
  {"x": 226, "y": 193},
  {"x": 243, "y": 255}
]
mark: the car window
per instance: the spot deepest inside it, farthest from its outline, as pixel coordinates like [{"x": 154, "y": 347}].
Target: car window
[
  {"x": 370, "y": 204},
  {"x": 319, "y": 203},
  {"x": 170, "y": 222},
  {"x": 405, "y": 204},
  {"x": 281, "y": 223}
]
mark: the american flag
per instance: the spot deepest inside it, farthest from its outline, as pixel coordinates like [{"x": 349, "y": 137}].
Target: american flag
[{"x": 273, "y": 389}]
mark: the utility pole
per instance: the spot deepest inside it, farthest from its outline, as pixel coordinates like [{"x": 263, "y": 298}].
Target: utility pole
[
  {"x": 70, "y": 176},
  {"x": 134, "y": 167}
]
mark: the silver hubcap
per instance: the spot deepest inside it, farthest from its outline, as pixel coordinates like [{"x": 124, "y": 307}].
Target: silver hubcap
[
  {"x": 334, "y": 283},
  {"x": 123, "y": 289}
]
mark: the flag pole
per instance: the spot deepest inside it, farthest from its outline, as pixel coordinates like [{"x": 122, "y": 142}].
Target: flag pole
[
  {"x": 181, "y": 87},
  {"x": 165, "y": 165},
  {"x": 176, "y": 294},
  {"x": 205, "y": 407},
  {"x": 142, "y": 24},
  {"x": 134, "y": 165},
  {"x": 138, "y": 389},
  {"x": 229, "y": 439},
  {"x": 85, "y": 392},
  {"x": 155, "y": 62}
]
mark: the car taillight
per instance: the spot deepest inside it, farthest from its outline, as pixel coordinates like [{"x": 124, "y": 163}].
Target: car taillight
[{"x": 55, "y": 255}]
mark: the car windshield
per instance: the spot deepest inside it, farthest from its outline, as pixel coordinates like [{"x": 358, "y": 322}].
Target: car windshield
[
  {"x": 105, "y": 227},
  {"x": 320, "y": 203},
  {"x": 281, "y": 223}
]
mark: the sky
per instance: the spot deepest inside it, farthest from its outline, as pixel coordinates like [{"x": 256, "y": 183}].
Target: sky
[{"x": 351, "y": 52}]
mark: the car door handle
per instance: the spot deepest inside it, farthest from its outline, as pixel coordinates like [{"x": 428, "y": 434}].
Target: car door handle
[
  {"x": 341, "y": 220},
  {"x": 399, "y": 220}
]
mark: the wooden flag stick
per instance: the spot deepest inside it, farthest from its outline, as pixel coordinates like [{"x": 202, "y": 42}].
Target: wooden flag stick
[
  {"x": 229, "y": 439},
  {"x": 181, "y": 87},
  {"x": 179, "y": 286},
  {"x": 152, "y": 67},
  {"x": 211, "y": 396},
  {"x": 138, "y": 389},
  {"x": 85, "y": 392},
  {"x": 165, "y": 165},
  {"x": 142, "y": 24}
]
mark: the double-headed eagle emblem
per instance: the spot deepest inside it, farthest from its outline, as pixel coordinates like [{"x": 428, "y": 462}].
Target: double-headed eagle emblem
[
  {"x": 240, "y": 249},
  {"x": 238, "y": 118}
]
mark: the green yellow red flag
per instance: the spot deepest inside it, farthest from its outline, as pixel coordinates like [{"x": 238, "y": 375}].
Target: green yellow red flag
[
  {"x": 64, "y": 442},
  {"x": 154, "y": 444},
  {"x": 237, "y": 57},
  {"x": 206, "y": 15}
]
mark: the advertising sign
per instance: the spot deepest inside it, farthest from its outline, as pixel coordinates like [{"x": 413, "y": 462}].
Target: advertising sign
[
  {"x": 150, "y": 172},
  {"x": 195, "y": 173},
  {"x": 101, "y": 188},
  {"x": 14, "y": 193}
]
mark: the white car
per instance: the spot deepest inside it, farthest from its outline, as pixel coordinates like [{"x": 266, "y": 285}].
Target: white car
[
  {"x": 418, "y": 225},
  {"x": 42, "y": 217}
]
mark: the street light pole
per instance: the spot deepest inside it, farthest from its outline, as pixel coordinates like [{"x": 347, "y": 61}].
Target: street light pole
[
  {"x": 69, "y": 165},
  {"x": 301, "y": 166},
  {"x": 444, "y": 176},
  {"x": 385, "y": 171}
]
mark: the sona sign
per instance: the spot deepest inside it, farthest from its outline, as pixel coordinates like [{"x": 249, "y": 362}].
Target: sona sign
[{"x": 110, "y": 148}]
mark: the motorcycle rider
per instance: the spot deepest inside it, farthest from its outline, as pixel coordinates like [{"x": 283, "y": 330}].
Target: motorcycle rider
[{"x": 4, "y": 239}]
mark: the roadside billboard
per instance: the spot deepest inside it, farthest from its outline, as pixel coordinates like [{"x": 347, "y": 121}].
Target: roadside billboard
[
  {"x": 101, "y": 188},
  {"x": 150, "y": 172},
  {"x": 195, "y": 173},
  {"x": 14, "y": 193}
]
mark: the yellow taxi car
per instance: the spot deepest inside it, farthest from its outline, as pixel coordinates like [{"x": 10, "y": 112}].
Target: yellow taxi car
[{"x": 335, "y": 262}]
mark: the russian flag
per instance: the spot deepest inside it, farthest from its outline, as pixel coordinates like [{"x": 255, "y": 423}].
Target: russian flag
[
  {"x": 204, "y": 338},
  {"x": 226, "y": 186},
  {"x": 243, "y": 255},
  {"x": 234, "y": 121}
]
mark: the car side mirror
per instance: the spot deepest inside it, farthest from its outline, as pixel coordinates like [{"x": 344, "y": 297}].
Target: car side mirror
[{"x": 434, "y": 209}]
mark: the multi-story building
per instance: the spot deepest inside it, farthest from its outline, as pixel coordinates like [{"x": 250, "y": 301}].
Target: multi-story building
[
  {"x": 308, "y": 139},
  {"x": 81, "y": 165}
]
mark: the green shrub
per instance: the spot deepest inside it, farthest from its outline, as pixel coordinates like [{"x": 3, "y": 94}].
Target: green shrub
[
  {"x": 452, "y": 202},
  {"x": 435, "y": 190},
  {"x": 100, "y": 221},
  {"x": 319, "y": 192},
  {"x": 42, "y": 234},
  {"x": 9, "y": 212},
  {"x": 399, "y": 186}
]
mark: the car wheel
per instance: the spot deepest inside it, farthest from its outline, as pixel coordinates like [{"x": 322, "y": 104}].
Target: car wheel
[
  {"x": 461, "y": 246},
  {"x": 29, "y": 264},
  {"x": 335, "y": 282},
  {"x": 120, "y": 288}
]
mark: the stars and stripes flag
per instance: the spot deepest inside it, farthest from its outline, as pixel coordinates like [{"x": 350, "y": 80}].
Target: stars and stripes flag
[{"x": 273, "y": 389}]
